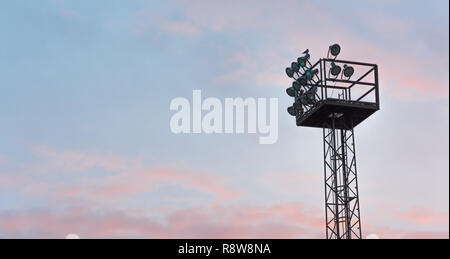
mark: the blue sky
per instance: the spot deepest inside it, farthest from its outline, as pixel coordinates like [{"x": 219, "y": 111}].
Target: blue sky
[{"x": 85, "y": 94}]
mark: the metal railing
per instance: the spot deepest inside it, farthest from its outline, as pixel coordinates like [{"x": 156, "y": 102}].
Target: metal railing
[{"x": 364, "y": 90}]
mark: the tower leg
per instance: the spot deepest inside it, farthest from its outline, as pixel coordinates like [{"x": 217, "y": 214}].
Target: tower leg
[{"x": 341, "y": 184}]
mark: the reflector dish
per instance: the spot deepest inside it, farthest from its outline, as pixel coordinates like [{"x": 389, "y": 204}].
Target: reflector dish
[
  {"x": 302, "y": 80},
  {"x": 289, "y": 72},
  {"x": 291, "y": 110},
  {"x": 295, "y": 67},
  {"x": 335, "y": 69},
  {"x": 335, "y": 49},
  {"x": 348, "y": 71},
  {"x": 296, "y": 85},
  {"x": 291, "y": 91}
]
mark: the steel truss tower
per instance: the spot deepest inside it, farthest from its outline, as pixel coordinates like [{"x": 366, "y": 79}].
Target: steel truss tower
[
  {"x": 327, "y": 97},
  {"x": 341, "y": 183}
]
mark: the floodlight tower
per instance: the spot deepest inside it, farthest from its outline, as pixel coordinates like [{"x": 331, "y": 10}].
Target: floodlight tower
[{"x": 326, "y": 97}]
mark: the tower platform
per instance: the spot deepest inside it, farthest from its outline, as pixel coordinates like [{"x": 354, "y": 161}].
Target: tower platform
[
  {"x": 348, "y": 114},
  {"x": 356, "y": 99}
]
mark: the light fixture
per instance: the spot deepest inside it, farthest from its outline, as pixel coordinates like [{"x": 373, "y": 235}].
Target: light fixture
[
  {"x": 298, "y": 103},
  {"x": 289, "y": 72},
  {"x": 295, "y": 67},
  {"x": 348, "y": 71},
  {"x": 334, "y": 50},
  {"x": 292, "y": 111},
  {"x": 303, "y": 80},
  {"x": 309, "y": 97},
  {"x": 296, "y": 85},
  {"x": 298, "y": 106},
  {"x": 335, "y": 69},
  {"x": 301, "y": 61},
  {"x": 291, "y": 91},
  {"x": 311, "y": 73}
]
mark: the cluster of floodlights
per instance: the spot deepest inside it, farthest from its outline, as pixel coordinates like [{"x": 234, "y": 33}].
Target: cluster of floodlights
[{"x": 304, "y": 88}]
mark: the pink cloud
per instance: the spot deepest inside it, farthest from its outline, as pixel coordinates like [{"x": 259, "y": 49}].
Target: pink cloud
[
  {"x": 72, "y": 160},
  {"x": 198, "y": 222},
  {"x": 112, "y": 194},
  {"x": 218, "y": 16},
  {"x": 226, "y": 214},
  {"x": 288, "y": 220},
  {"x": 414, "y": 72},
  {"x": 70, "y": 177},
  {"x": 391, "y": 233},
  {"x": 423, "y": 216}
]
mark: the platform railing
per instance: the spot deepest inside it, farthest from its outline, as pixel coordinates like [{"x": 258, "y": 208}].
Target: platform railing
[{"x": 363, "y": 90}]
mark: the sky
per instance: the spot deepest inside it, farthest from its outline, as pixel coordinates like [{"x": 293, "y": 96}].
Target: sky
[{"x": 86, "y": 145}]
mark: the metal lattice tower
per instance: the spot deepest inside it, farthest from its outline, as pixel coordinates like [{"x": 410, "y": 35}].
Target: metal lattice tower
[
  {"x": 336, "y": 105},
  {"x": 341, "y": 184}
]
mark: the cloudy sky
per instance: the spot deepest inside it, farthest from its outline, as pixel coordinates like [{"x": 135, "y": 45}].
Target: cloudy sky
[{"x": 85, "y": 141}]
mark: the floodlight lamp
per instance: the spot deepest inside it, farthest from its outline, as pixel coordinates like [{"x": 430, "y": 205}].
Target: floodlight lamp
[
  {"x": 289, "y": 72},
  {"x": 292, "y": 111},
  {"x": 311, "y": 100},
  {"x": 301, "y": 61},
  {"x": 348, "y": 71},
  {"x": 297, "y": 105},
  {"x": 335, "y": 49},
  {"x": 311, "y": 73},
  {"x": 291, "y": 91},
  {"x": 308, "y": 98},
  {"x": 335, "y": 69},
  {"x": 303, "y": 80},
  {"x": 295, "y": 66},
  {"x": 303, "y": 100},
  {"x": 296, "y": 85}
]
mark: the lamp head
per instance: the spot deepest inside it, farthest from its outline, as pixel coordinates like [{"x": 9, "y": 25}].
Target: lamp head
[
  {"x": 291, "y": 91},
  {"x": 335, "y": 69},
  {"x": 289, "y": 72},
  {"x": 348, "y": 71},
  {"x": 297, "y": 105},
  {"x": 296, "y": 85},
  {"x": 303, "y": 80},
  {"x": 301, "y": 61},
  {"x": 295, "y": 66},
  {"x": 292, "y": 111},
  {"x": 335, "y": 49}
]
